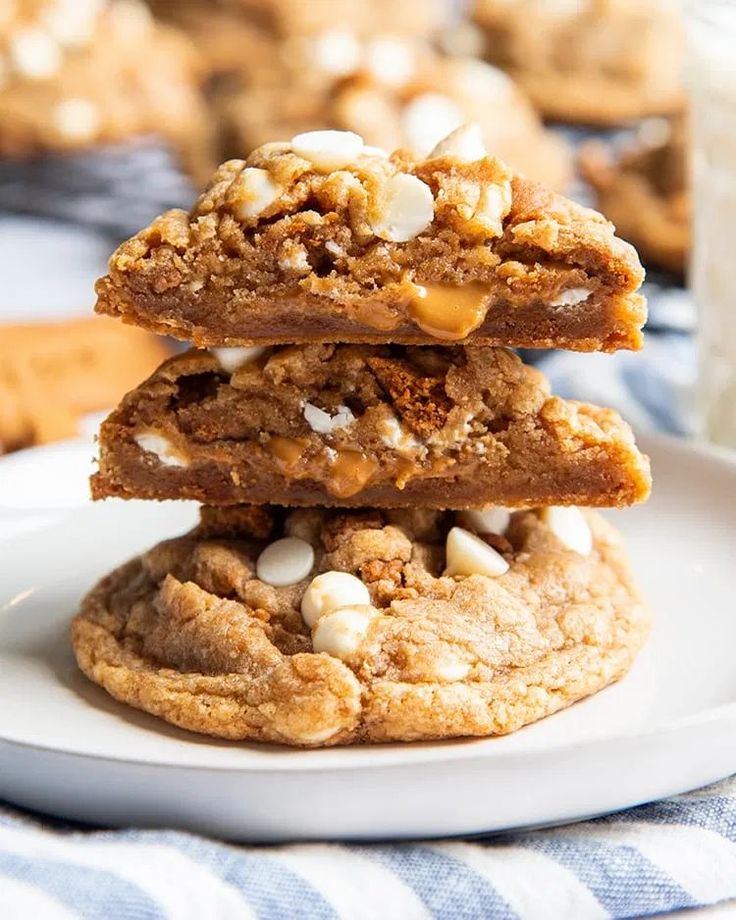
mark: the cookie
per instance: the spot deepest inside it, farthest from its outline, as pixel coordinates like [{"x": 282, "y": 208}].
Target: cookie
[
  {"x": 239, "y": 36},
  {"x": 325, "y": 239},
  {"x": 416, "y": 628},
  {"x": 91, "y": 74},
  {"x": 362, "y": 425},
  {"x": 594, "y": 62},
  {"x": 645, "y": 191},
  {"x": 51, "y": 374},
  {"x": 392, "y": 92}
]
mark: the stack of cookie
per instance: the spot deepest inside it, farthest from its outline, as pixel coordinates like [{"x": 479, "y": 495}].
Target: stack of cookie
[{"x": 390, "y": 546}]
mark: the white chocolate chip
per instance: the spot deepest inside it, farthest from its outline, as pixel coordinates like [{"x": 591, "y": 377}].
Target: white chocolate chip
[
  {"x": 320, "y": 735},
  {"x": 328, "y": 150},
  {"x": 257, "y": 191},
  {"x": 464, "y": 143},
  {"x": 398, "y": 438},
  {"x": 337, "y": 52},
  {"x": 34, "y": 54},
  {"x": 294, "y": 258},
  {"x": 285, "y": 562},
  {"x": 71, "y": 24},
  {"x": 568, "y": 524},
  {"x": 479, "y": 78},
  {"x": 232, "y": 358},
  {"x": 469, "y": 555},
  {"x": 370, "y": 151},
  {"x": 331, "y": 591},
  {"x": 77, "y": 119},
  {"x": 407, "y": 209},
  {"x": 161, "y": 447},
  {"x": 427, "y": 119},
  {"x": 492, "y": 520},
  {"x": 494, "y": 203},
  {"x": 341, "y": 632},
  {"x": 571, "y": 297},
  {"x": 450, "y": 668},
  {"x": 324, "y": 423},
  {"x": 335, "y": 249},
  {"x": 390, "y": 60}
]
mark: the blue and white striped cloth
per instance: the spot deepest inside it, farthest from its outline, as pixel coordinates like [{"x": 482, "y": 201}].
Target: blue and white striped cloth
[{"x": 673, "y": 855}]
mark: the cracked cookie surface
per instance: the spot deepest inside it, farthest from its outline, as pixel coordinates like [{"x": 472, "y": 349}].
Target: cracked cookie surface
[
  {"x": 363, "y": 425},
  {"x": 189, "y": 633}
]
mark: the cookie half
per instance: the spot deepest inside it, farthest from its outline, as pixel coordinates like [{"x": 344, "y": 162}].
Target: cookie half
[
  {"x": 420, "y": 624},
  {"x": 325, "y": 239},
  {"x": 364, "y": 425}
]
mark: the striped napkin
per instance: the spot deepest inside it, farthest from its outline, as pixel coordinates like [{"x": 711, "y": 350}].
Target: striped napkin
[{"x": 673, "y": 855}]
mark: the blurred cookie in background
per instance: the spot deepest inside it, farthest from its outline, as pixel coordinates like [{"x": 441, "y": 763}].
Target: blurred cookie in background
[
  {"x": 399, "y": 92},
  {"x": 235, "y": 34},
  {"x": 596, "y": 62},
  {"x": 645, "y": 190},
  {"x": 94, "y": 76},
  {"x": 52, "y": 374}
]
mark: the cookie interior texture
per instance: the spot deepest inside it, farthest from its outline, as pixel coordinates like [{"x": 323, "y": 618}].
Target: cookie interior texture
[
  {"x": 363, "y": 425},
  {"x": 278, "y": 250},
  {"x": 188, "y": 633}
]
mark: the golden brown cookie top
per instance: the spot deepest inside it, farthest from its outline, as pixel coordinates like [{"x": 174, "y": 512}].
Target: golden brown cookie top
[{"x": 310, "y": 628}]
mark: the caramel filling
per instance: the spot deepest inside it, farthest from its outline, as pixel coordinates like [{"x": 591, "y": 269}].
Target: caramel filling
[
  {"x": 288, "y": 451},
  {"x": 448, "y": 312},
  {"x": 349, "y": 473}
]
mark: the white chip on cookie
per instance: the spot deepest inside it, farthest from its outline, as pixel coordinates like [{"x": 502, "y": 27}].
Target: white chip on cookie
[
  {"x": 256, "y": 192},
  {"x": 390, "y": 60},
  {"x": 285, "y": 562},
  {"x": 406, "y": 209},
  {"x": 331, "y": 591},
  {"x": 428, "y": 118},
  {"x": 571, "y": 297},
  {"x": 492, "y": 520},
  {"x": 465, "y": 143},
  {"x": 323, "y": 423},
  {"x": 34, "y": 54},
  {"x": 154, "y": 443},
  {"x": 467, "y": 554},
  {"x": 76, "y": 119},
  {"x": 328, "y": 150},
  {"x": 337, "y": 52},
  {"x": 449, "y": 668},
  {"x": 341, "y": 632},
  {"x": 568, "y": 524},
  {"x": 231, "y": 359}
]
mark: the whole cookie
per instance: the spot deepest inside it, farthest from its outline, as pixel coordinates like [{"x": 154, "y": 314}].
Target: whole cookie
[{"x": 397, "y": 643}]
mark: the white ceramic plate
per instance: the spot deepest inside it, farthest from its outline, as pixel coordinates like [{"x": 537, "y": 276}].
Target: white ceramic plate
[{"x": 67, "y": 748}]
